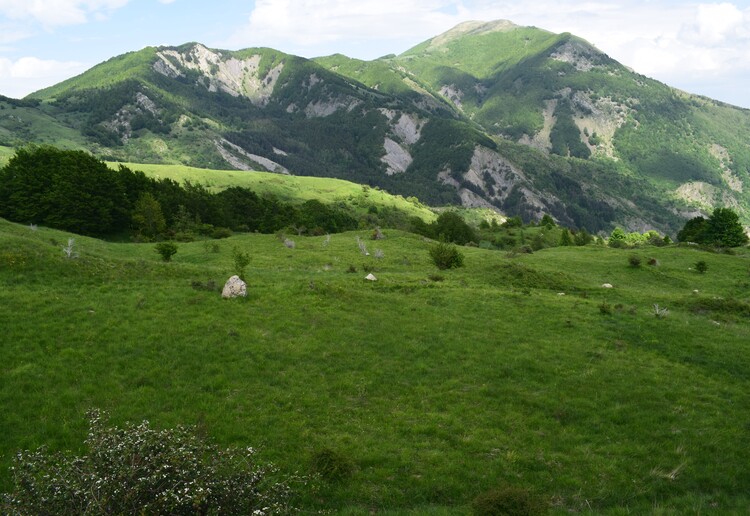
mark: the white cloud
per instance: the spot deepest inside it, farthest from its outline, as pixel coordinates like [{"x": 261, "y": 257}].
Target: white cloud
[
  {"x": 53, "y": 13},
  {"x": 311, "y": 27},
  {"x": 27, "y": 74}
]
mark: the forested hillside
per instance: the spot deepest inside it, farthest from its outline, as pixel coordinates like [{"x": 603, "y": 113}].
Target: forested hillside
[{"x": 518, "y": 119}]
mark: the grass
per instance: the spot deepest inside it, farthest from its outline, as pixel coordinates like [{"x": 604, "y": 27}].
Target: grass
[
  {"x": 5, "y": 154},
  {"x": 287, "y": 187},
  {"x": 20, "y": 125},
  {"x": 431, "y": 392}
]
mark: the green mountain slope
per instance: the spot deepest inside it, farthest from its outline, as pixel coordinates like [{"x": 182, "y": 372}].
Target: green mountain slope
[{"x": 488, "y": 114}]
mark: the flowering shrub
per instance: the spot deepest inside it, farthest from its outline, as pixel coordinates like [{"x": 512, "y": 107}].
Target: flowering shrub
[{"x": 140, "y": 470}]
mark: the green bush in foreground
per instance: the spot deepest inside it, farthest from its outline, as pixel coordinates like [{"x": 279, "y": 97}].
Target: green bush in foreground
[
  {"x": 139, "y": 470},
  {"x": 166, "y": 250},
  {"x": 446, "y": 256}
]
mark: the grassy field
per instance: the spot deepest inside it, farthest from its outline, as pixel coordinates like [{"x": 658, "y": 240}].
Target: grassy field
[
  {"x": 286, "y": 187},
  {"x": 436, "y": 385},
  {"x": 5, "y": 154}
]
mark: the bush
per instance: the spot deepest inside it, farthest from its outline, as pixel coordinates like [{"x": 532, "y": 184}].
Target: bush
[
  {"x": 701, "y": 266},
  {"x": 220, "y": 232},
  {"x": 446, "y": 256},
  {"x": 507, "y": 501},
  {"x": 634, "y": 261},
  {"x": 166, "y": 250},
  {"x": 240, "y": 260},
  {"x": 140, "y": 470}
]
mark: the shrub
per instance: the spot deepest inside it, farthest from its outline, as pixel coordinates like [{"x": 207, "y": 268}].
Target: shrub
[
  {"x": 505, "y": 501},
  {"x": 565, "y": 238},
  {"x": 69, "y": 250},
  {"x": 241, "y": 259},
  {"x": 452, "y": 227},
  {"x": 211, "y": 247},
  {"x": 653, "y": 262},
  {"x": 331, "y": 465},
  {"x": 634, "y": 261},
  {"x": 446, "y": 256},
  {"x": 166, "y": 250},
  {"x": 362, "y": 247},
  {"x": 184, "y": 236},
  {"x": 220, "y": 232},
  {"x": 605, "y": 308},
  {"x": 701, "y": 266},
  {"x": 140, "y": 470},
  {"x": 660, "y": 312}
]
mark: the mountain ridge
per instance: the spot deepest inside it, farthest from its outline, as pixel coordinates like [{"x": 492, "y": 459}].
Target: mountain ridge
[{"x": 486, "y": 114}]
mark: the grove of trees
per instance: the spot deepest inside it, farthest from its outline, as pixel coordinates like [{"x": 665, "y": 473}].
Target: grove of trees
[
  {"x": 721, "y": 229},
  {"x": 74, "y": 191}
]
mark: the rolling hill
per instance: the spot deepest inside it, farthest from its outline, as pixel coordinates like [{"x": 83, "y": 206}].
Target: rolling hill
[
  {"x": 487, "y": 114},
  {"x": 434, "y": 386}
]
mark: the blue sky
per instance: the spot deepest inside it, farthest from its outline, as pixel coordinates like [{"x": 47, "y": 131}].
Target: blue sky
[{"x": 700, "y": 47}]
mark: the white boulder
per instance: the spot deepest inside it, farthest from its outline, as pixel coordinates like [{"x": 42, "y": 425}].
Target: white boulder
[
  {"x": 371, "y": 277},
  {"x": 234, "y": 287}
]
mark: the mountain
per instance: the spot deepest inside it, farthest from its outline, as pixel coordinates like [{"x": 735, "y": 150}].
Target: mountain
[{"x": 487, "y": 114}]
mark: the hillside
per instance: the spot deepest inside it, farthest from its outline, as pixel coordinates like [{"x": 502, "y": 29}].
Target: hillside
[
  {"x": 488, "y": 114},
  {"x": 493, "y": 377}
]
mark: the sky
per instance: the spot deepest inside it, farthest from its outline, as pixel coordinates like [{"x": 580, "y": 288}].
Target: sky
[{"x": 699, "y": 47}]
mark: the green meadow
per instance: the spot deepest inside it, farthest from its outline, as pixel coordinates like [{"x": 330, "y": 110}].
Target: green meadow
[
  {"x": 434, "y": 386},
  {"x": 287, "y": 187},
  {"x": 5, "y": 154}
]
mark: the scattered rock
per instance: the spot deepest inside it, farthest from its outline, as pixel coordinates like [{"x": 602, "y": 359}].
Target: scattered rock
[
  {"x": 607, "y": 285},
  {"x": 234, "y": 287},
  {"x": 371, "y": 277},
  {"x": 561, "y": 293}
]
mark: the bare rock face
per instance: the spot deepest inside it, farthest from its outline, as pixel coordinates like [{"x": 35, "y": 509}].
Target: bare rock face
[{"x": 234, "y": 287}]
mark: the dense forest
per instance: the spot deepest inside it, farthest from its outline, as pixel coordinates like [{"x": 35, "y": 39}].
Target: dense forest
[{"x": 77, "y": 192}]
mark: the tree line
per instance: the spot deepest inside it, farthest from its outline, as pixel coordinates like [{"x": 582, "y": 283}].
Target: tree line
[{"x": 74, "y": 191}]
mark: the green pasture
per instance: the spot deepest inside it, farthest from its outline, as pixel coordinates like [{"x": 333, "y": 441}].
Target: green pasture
[
  {"x": 437, "y": 385},
  {"x": 5, "y": 154},
  {"x": 287, "y": 187}
]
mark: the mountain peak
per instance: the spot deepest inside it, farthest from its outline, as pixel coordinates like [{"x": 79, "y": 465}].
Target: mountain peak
[{"x": 472, "y": 28}]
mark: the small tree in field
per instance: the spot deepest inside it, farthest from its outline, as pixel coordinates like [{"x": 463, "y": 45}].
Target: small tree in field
[
  {"x": 148, "y": 218},
  {"x": 565, "y": 238},
  {"x": 166, "y": 250},
  {"x": 446, "y": 256},
  {"x": 724, "y": 229}
]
